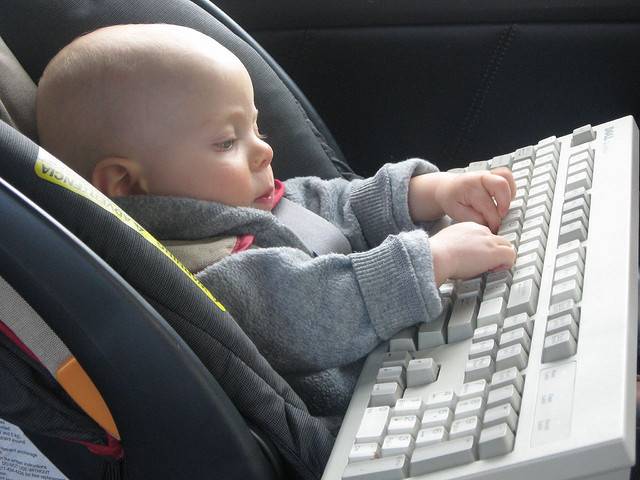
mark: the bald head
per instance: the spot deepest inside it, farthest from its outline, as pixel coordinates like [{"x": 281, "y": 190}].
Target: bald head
[{"x": 112, "y": 92}]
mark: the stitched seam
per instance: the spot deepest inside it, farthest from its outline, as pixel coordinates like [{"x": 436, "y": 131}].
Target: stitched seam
[{"x": 488, "y": 77}]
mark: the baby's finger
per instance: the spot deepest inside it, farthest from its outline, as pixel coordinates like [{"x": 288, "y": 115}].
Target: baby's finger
[
  {"x": 498, "y": 187},
  {"x": 505, "y": 173},
  {"x": 505, "y": 257},
  {"x": 483, "y": 204}
]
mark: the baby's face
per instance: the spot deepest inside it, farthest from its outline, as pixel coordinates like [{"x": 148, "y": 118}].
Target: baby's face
[{"x": 207, "y": 143}]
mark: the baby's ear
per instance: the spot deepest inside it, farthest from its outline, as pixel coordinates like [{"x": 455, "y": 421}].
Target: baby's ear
[{"x": 118, "y": 177}]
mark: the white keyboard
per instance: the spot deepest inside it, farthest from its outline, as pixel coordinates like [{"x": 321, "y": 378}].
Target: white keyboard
[{"x": 530, "y": 373}]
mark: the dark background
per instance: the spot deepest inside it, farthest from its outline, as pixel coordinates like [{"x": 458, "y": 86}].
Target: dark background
[{"x": 452, "y": 81}]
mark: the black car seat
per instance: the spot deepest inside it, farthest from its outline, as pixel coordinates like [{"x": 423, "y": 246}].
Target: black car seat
[{"x": 173, "y": 419}]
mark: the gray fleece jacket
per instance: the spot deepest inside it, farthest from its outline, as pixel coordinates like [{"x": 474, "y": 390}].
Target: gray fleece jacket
[{"x": 315, "y": 318}]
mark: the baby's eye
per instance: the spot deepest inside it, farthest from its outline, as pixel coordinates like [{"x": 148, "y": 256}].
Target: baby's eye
[{"x": 226, "y": 145}]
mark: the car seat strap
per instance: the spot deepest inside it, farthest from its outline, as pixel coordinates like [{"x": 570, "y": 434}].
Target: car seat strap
[
  {"x": 34, "y": 334},
  {"x": 317, "y": 234}
]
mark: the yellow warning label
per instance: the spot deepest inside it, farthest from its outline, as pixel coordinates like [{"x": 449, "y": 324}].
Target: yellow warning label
[{"x": 53, "y": 170}]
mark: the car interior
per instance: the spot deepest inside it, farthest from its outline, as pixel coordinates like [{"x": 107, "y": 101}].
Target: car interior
[{"x": 176, "y": 388}]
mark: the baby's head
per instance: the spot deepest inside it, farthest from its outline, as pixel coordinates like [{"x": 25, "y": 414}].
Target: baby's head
[{"x": 156, "y": 109}]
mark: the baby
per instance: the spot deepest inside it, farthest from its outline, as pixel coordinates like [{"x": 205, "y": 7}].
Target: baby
[{"x": 162, "y": 119}]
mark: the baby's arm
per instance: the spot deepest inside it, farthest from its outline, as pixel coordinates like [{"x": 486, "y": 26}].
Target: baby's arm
[{"x": 481, "y": 197}]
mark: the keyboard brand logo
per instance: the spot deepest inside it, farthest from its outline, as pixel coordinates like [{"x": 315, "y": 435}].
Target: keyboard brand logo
[{"x": 608, "y": 133}]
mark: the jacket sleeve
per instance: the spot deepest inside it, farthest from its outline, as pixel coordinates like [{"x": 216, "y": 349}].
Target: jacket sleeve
[
  {"x": 368, "y": 210},
  {"x": 344, "y": 305}
]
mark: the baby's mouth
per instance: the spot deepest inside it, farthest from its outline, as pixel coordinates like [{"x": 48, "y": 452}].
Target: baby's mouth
[{"x": 266, "y": 197}]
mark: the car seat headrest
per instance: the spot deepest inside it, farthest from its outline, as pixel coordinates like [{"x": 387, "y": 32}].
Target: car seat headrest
[{"x": 17, "y": 94}]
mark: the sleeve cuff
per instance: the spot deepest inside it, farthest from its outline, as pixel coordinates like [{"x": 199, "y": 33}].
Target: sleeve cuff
[
  {"x": 380, "y": 203},
  {"x": 397, "y": 283}
]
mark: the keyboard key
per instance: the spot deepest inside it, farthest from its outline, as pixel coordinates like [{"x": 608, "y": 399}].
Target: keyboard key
[
  {"x": 364, "y": 451},
  {"x": 526, "y": 273},
  {"x": 546, "y": 143},
  {"x": 515, "y": 336},
  {"x": 409, "y": 406},
  {"x": 445, "y": 398},
  {"x": 501, "y": 414},
  {"x": 582, "y": 135},
  {"x": 501, "y": 161},
  {"x": 565, "y": 307},
  {"x": 574, "y": 216},
  {"x": 437, "y": 417},
  {"x": 397, "y": 445},
  {"x": 544, "y": 179},
  {"x": 577, "y": 181},
  {"x": 579, "y": 167},
  {"x": 572, "y": 231},
  {"x": 429, "y": 436},
  {"x": 574, "y": 246},
  {"x": 470, "y": 407},
  {"x": 478, "y": 368},
  {"x": 485, "y": 333},
  {"x": 545, "y": 169},
  {"x": 526, "y": 260},
  {"x": 570, "y": 259},
  {"x": 558, "y": 346},
  {"x": 404, "y": 340},
  {"x": 534, "y": 246},
  {"x": 512, "y": 356},
  {"x": 465, "y": 426},
  {"x": 432, "y": 334},
  {"x": 579, "y": 204},
  {"x": 442, "y": 455},
  {"x": 512, "y": 226},
  {"x": 422, "y": 371},
  {"x": 534, "y": 234},
  {"x": 569, "y": 273},
  {"x": 547, "y": 159},
  {"x": 373, "y": 425},
  {"x": 522, "y": 174},
  {"x": 495, "y": 441},
  {"x": 524, "y": 153},
  {"x": 471, "y": 286},
  {"x": 478, "y": 166},
  {"x": 472, "y": 389},
  {"x": 580, "y": 192},
  {"x": 523, "y": 298},
  {"x": 403, "y": 424},
  {"x": 509, "y": 376},
  {"x": 462, "y": 322},
  {"x": 393, "y": 359},
  {"x": 536, "y": 222},
  {"x": 585, "y": 151},
  {"x": 387, "y": 468},
  {"x": 491, "y": 311},
  {"x": 522, "y": 320},
  {"x": 391, "y": 374},
  {"x": 495, "y": 290},
  {"x": 505, "y": 394},
  {"x": 385, "y": 394},
  {"x": 503, "y": 276},
  {"x": 566, "y": 290},
  {"x": 541, "y": 190},
  {"x": 564, "y": 322},
  {"x": 480, "y": 349}
]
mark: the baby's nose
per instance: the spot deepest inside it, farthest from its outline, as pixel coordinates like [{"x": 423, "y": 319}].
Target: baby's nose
[{"x": 263, "y": 155}]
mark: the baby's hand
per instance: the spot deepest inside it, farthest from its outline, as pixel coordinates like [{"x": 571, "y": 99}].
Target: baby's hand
[
  {"x": 462, "y": 196},
  {"x": 467, "y": 249},
  {"x": 470, "y": 196}
]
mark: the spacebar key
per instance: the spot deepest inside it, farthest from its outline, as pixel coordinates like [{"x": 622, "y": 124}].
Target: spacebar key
[
  {"x": 442, "y": 455},
  {"x": 386, "y": 468}
]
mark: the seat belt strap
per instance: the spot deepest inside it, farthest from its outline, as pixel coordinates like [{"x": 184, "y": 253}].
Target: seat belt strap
[
  {"x": 46, "y": 346},
  {"x": 317, "y": 234}
]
